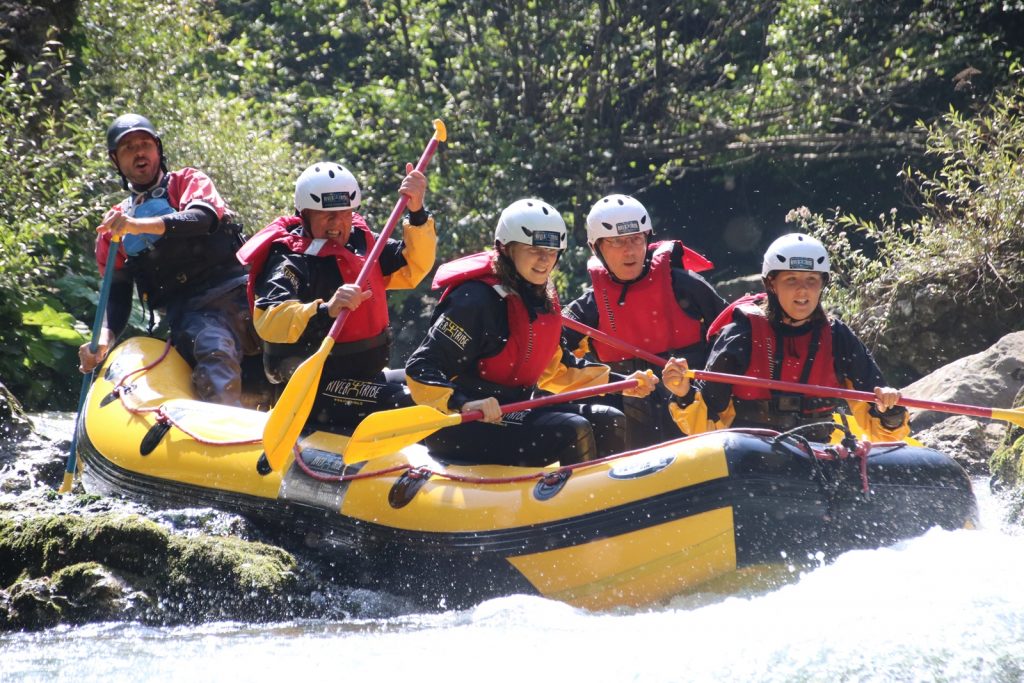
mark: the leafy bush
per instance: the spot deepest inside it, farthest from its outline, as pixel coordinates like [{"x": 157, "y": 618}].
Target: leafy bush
[
  {"x": 43, "y": 204},
  {"x": 951, "y": 281}
]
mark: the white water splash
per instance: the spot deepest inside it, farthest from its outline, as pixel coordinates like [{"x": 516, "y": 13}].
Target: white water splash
[{"x": 948, "y": 606}]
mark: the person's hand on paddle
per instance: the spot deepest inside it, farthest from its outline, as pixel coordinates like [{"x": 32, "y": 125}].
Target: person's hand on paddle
[
  {"x": 346, "y": 296},
  {"x": 675, "y": 378},
  {"x": 414, "y": 186},
  {"x": 488, "y": 406},
  {"x": 119, "y": 225},
  {"x": 646, "y": 381},
  {"x": 886, "y": 398},
  {"x": 89, "y": 359}
]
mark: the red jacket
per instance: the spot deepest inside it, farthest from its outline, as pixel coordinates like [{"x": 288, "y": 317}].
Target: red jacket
[
  {"x": 371, "y": 318},
  {"x": 652, "y": 320},
  {"x": 531, "y": 344}
]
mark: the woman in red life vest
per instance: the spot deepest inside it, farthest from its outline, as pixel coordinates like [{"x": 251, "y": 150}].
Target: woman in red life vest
[
  {"x": 302, "y": 272},
  {"x": 648, "y": 294},
  {"x": 495, "y": 338},
  {"x": 785, "y": 334}
]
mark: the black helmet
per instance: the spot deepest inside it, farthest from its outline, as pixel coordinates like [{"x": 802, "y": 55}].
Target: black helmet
[{"x": 128, "y": 123}]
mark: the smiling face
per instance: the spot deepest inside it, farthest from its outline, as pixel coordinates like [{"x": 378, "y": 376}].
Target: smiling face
[
  {"x": 329, "y": 225},
  {"x": 799, "y": 293},
  {"x": 624, "y": 255},
  {"x": 138, "y": 157},
  {"x": 534, "y": 264}
]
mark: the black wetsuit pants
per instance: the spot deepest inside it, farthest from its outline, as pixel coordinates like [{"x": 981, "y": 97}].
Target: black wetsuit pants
[
  {"x": 342, "y": 402},
  {"x": 567, "y": 434}
]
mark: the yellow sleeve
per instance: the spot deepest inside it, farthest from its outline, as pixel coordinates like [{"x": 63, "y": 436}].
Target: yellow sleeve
[
  {"x": 583, "y": 349},
  {"x": 559, "y": 378},
  {"x": 872, "y": 427},
  {"x": 430, "y": 394},
  {"x": 419, "y": 252},
  {"x": 285, "y": 322},
  {"x": 693, "y": 419}
]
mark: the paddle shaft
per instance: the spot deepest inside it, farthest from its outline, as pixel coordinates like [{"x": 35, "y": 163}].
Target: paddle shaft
[
  {"x": 378, "y": 246},
  {"x": 795, "y": 387},
  {"x": 566, "y": 397},
  {"x": 97, "y": 328}
]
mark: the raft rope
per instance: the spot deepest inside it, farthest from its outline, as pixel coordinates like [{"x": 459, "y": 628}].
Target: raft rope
[
  {"x": 850, "y": 447},
  {"x": 162, "y": 416},
  {"x": 862, "y": 449}
]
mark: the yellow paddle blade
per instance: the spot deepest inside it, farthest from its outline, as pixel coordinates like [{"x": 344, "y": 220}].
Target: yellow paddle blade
[
  {"x": 440, "y": 130},
  {"x": 289, "y": 415},
  {"x": 392, "y": 430},
  {"x": 1014, "y": 415}
]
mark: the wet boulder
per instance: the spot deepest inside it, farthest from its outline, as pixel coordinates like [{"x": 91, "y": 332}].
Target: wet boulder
[
  {"x": 68, "y": 568},
  {"x": 970, "y": 441},
  {"x": 990, "y": 378},
  {"x": 1007, "y": 463},
  {"x": 934, "y": 323}
]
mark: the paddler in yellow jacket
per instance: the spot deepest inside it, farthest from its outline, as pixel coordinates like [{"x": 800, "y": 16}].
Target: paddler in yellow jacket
[
  {"x": 303, "y": 270},
  {"x": 785, "y": 334}
]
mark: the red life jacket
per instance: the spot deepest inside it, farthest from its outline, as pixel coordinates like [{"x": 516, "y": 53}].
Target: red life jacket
[
  {"x": 725, "y": 317},
  {"x": 371, "y": 318},
  {"x": 789, "y": 363},
  {"x": 530, "y": 345},
  {"x": 653, "y": 321}
]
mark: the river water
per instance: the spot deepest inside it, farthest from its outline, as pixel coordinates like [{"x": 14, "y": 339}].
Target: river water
[{"x": 948, "y": 606}]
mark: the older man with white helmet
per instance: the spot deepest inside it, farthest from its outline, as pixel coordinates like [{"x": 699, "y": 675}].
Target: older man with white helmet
[{"x": 648, "y": 294}]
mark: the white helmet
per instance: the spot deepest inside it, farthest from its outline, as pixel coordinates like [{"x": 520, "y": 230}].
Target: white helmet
[
  {"x": 796, "y": 252},
  {"x": 616, "y": 214},
  {"x": 533, "y": 222},
  {"x": 326, "y": 186}
]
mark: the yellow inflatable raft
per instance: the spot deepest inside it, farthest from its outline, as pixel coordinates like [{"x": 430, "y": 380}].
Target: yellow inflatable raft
[{"x": 629, "y": 530}]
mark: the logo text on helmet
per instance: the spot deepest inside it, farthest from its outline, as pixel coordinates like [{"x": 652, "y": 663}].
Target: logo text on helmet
[
  {"x": 336, "y": 200},
  {"x": 547, "y": 238},
  {"x": 627, "y": 227},
  {"x": 801, "y": 263}
]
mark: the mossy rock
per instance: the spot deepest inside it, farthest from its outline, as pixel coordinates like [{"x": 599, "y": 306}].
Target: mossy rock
[
  {"x": 1007, "y": 463},
  {"x": 229, "y": 578},
  {"x": 63, "y": 568},
  {"x": 36, "y": 546}
]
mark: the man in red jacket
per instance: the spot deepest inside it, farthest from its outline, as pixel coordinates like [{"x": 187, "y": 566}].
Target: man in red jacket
[{"x": 178, "y": 248}]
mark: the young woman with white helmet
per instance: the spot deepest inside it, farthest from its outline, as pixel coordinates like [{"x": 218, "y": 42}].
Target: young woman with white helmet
[
  {"x": 302, "y": 272},
  {"x": 495, "y": 337},
  {"x": 647, "y": 294},
  {"x": 786, "y": 334}
]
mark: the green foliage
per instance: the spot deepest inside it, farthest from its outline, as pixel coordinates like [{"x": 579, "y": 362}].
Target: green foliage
[
  {"x": 201, "y": 122},
  {"x": 967, "y": 245},
  {"x": 566, "y": 101},
  {"x": 43, "y": 205},
  {"x": 572, "y": 100}
]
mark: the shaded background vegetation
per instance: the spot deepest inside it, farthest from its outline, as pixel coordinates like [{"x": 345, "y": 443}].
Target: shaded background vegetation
[{"x": 720, "y": 116}]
